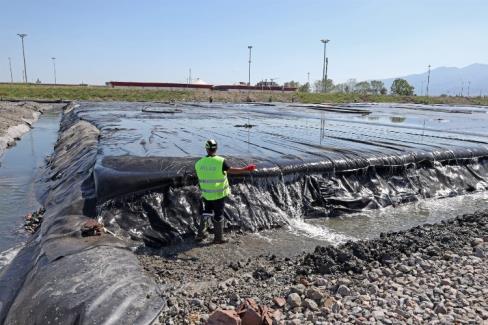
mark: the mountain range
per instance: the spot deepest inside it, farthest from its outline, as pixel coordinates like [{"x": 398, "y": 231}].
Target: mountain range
[{"x": 471, "y": 80}]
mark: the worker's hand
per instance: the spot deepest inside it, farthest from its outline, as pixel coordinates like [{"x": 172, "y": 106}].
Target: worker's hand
[{"x": 250, "y": 168}]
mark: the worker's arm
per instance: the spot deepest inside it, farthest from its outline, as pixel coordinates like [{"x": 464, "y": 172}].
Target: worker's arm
[{"x": 243, "y": 170}]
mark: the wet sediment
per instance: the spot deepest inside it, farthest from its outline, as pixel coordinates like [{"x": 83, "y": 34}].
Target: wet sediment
[{"x": 428, "y": 274}]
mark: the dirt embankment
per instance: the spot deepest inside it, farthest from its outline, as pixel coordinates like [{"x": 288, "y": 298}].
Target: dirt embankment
[
  {"x": 429, "y": 274},
  {"x": 16, "y": 119}
]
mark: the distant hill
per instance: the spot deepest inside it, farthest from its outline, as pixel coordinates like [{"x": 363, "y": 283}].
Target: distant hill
[{"x": 450, "y": 81}]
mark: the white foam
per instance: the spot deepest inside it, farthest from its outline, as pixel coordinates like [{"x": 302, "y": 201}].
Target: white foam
[
  {"x": 8, "y": 255},
  {"x": 299, "y": 227}
]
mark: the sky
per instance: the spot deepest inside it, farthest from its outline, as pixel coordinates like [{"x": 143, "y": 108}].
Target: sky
[{"x": 159, "y": 41}]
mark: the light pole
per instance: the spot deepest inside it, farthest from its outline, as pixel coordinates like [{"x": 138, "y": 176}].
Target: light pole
[
  {"x": 54, "y": 67},
  {"x": 324, "y": 74},
  {"x": 428, "y": 82},
  {"x": 249, "y": 76},
  {"x": 23, "y": 53},
  {"x": 10, "y": 65}
]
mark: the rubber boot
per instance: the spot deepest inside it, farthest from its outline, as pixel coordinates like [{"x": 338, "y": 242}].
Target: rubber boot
[
  {"x": 219, "y": 232},
  {"x": 201, "y": 229}
]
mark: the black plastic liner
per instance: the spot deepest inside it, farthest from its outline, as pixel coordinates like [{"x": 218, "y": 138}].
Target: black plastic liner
[{"x": 313, "y": 161}]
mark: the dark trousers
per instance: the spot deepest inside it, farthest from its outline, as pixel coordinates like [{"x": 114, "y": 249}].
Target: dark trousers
[{"x": 215, "y": 207}]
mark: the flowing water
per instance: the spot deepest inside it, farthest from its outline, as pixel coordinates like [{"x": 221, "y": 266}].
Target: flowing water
[{"x": 19, "y": 167}]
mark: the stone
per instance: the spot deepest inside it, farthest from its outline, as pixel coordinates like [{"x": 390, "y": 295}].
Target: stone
[
  {"x": 446, "y": 282},
  {"x": 294, "y": 300},
  {"x": 279, "y": 301},
  {"x": 299, "y": 288},
  {"x": 329, "y": 302},
  {"x": 310, "y": 304},
  {"x": 378, "y": 314},
  {"x": 212, "y": 307},
  {"x": 479, "y": 252},
  {"x": 343, "y": 290},
  {"x": 315, "y": 294},
  {"x": 251, "y": 317},
  {"x": 320, "y": 282},
  {"x": 476, "y": 241},
  {"x": 224, "y": 317},
  {"x": 197, "y": 302},
  {"x": 336, "y": 307},
  {"x": 440, "y": 309}
]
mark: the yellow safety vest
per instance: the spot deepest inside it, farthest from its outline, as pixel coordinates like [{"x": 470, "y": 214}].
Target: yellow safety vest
[{"x": 213, "y": 181}]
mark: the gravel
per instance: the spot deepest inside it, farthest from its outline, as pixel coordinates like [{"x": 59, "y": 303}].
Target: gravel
[{"x": 428, "y": 274}]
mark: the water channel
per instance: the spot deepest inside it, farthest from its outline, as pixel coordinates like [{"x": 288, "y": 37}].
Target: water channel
[{"x": 19, "y": 168}]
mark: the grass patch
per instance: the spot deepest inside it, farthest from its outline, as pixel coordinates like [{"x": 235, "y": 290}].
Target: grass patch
[{"x": 100, "y": 93}]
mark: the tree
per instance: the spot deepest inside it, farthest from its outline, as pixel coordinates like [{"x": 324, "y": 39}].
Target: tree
[
  {"x": 305, "y": 88},
  {"x": 377, "y": 86},
  {"x": 319, "y": 88},
  {"x": 292, "y": 84},
  {"x": 401, "y": 87},
  {"x": 362, "y": 87}
]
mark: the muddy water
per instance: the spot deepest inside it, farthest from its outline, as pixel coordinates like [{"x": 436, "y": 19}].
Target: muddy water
[
  {"x": 302, "y": 236},
  {"x": 18, "y": 170}
]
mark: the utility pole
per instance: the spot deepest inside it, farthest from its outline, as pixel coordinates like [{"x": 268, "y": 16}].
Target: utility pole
[
  {"x": 469, "y": 86},
  {"x": 23, "y": 53},
  {"x": 428, "y": 81},
  {"x": 308, "y": 78},
  {"x": 10, "y": 65},
  {"x": 249, "y": 75},
  {"x": 324, "y": 74},
  {"x": 54, "y": 67}
]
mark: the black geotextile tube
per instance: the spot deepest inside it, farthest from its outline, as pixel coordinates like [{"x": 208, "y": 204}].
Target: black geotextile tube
[
  {"x": 62, "y": 277},
  {"x": 157, "y": 199}
]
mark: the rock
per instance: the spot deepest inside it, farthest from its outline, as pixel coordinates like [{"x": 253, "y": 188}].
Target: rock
[
  {"x": 172, "y": 301},
  {"x": 197, "y": 302},
  {"x": 336, "y": 307},
  {"x": 343, "y": 290},
  {"x": 279, "y": 301},
  {"x": 329, "y": 302},
  {"x": 315, "y": 294},
  {"x": 310, "y": 304},
  {"x": 440, "y": 309},
  {"x": 262, "y": 274},
  {"x": 294, "y": 300},
  {"x": 476, "y": 241},
  {"x": 212, "y": 307},
  {"x": 446, "y": 282},
  {"x": 378, "y": 314},
  {"x": 299, "y": 288},
  {"x": 234, "y": 297},
  {"x": 404, "y": 268},
  {"x": 320, "y": 282},
  {"x": 251, "y": 317},
  {"x": 224, "y": 317},
  {"x": 479, "y": 252}
]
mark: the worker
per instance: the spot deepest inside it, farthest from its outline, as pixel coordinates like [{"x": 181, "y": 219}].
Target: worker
[{"x": 212, "y": 173}]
